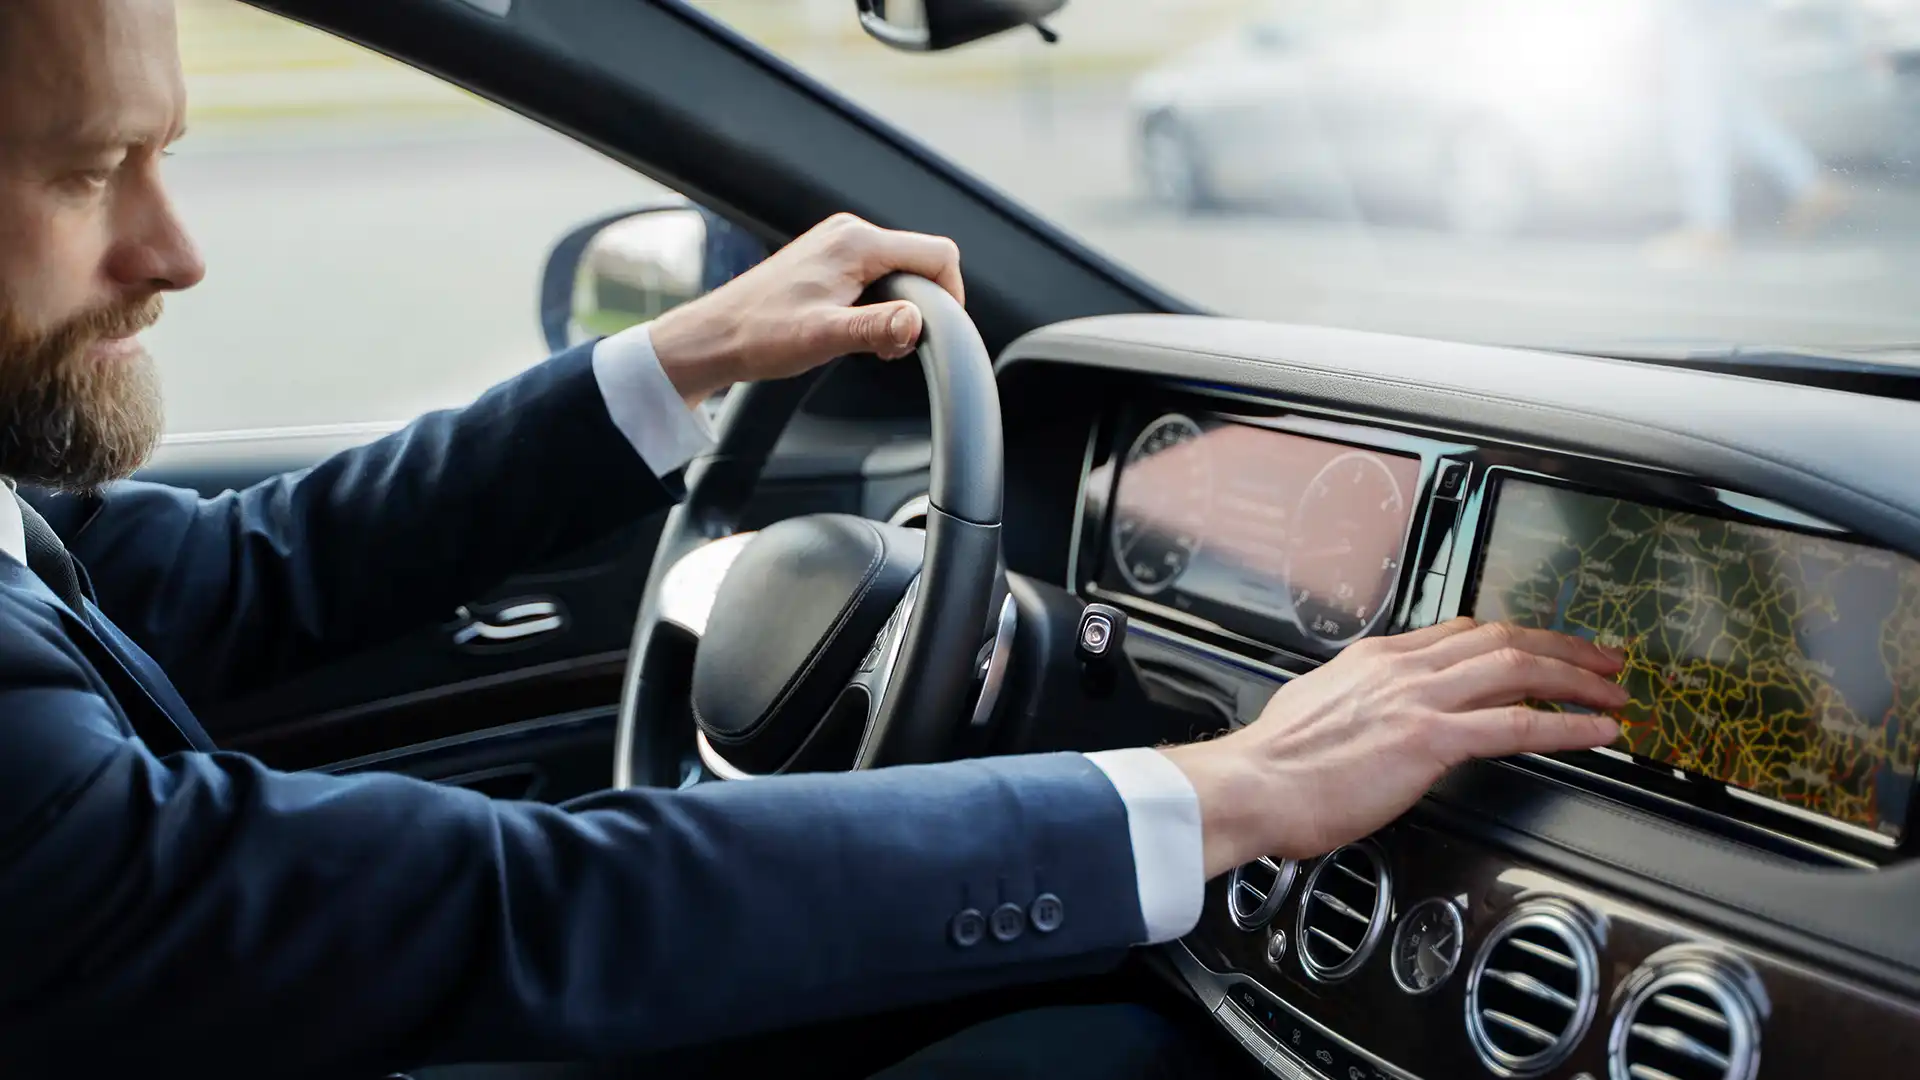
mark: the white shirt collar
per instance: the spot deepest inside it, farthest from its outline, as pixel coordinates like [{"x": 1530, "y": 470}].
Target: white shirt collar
[{"x": 13, "y": 532}]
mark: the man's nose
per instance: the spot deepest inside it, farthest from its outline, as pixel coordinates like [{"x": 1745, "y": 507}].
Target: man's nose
[{"x": 155, "y": 252}]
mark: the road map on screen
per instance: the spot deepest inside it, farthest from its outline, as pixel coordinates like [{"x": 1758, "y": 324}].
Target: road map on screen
[{"x": 1778, "y": 662}]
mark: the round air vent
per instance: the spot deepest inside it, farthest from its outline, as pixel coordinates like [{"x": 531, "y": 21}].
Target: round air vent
[
  {"x": 1532, "y": 989},
  {"x": 1256, "y": 889},
  {"x": 1687, "y": 1015},
  {"x": 1343, "y": 910},
  {"x": 912, "y": 513}
]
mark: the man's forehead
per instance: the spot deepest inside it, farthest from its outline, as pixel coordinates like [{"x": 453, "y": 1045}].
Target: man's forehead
[{"x": 89, "y": 71}]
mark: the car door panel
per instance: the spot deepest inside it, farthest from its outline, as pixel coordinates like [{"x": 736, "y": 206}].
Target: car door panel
[
  {"x": 549, "y": 758},
  {"x": 513, "y": 692}
]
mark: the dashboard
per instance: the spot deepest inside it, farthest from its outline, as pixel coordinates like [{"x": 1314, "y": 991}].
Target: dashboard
[
  {"x": 1773, "y": 659},
  {"x": 1731, "y": 890}
]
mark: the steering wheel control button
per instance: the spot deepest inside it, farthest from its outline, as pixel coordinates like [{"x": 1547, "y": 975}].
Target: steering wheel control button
[
  {"x": 872, "y": 659},
  {"x": 881, "y": 641},
  {"x": 968, "y": 928},
  {"x": 1047, "y": 913},
  {"x": 1008, "y": 923},
  {"x": 1102, "y": 629},
  {"x": 1277, "y": 948}
]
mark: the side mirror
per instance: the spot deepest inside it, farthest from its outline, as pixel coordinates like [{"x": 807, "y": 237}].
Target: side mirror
[
  {"x": 933, "y": 25},
  {"x": 633, "y": 266}
]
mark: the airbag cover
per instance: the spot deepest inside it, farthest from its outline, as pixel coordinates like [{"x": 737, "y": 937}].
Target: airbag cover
[{"x": 795, "y": 615}]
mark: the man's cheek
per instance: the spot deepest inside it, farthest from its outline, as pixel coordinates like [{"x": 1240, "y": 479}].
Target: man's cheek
[{"x": 64, "y": 279}]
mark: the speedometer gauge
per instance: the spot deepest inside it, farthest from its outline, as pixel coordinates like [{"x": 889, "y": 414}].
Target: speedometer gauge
[
  {"x": 1160, "y": 511},
  {"x": 1344, "y": 550}
]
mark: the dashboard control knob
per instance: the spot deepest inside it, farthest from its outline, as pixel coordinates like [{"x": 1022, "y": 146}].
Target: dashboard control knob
[
  {"x": 1277, "y": 948},
  {"x": 1102, "y": 629}
]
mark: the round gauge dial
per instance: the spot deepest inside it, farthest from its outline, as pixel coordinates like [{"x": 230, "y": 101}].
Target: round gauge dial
[
  {"x": 1344, "y": 551},
  {"x": 1427, "y": 945},
  {"x": 1160, "y": 511}
]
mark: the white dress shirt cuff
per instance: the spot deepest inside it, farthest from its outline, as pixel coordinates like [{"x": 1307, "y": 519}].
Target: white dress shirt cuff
[
  {"x": 1163, "y": 823},
  {"x": 644, "y": 405}
]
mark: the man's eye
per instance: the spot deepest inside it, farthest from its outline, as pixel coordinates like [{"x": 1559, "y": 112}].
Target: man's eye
[{"x": 92, "y": 179}]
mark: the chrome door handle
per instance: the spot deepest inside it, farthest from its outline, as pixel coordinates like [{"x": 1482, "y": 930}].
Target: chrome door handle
[{"x": 515, "y": 622}]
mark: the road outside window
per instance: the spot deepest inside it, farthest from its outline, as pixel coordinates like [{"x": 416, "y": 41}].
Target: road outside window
[
  {"x": 1636, "y": 174},
  {"x": 1604, "y": 175},
  {"x": 374, "y": 237}
]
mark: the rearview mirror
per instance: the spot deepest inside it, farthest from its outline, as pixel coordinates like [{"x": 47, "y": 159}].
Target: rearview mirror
[
  {"x": 634, "y": 266},
  {"x": 933, "y": 25}
]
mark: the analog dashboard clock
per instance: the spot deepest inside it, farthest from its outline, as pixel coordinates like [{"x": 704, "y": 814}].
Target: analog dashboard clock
[{"x": 1427, "y": 945}]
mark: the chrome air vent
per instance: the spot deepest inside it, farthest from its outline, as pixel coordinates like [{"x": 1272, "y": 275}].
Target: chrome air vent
[
  {"x": 1255, "y": 890},
  {"x": 1532, "y": 989},
  {"x": 1343, "y": 910},
  {"x": 1687, "y": 1014},
  {"x": 912, "y": 513}
]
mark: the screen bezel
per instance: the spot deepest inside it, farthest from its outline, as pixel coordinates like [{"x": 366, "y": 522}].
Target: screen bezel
[
  {"x": 1663, "y": 778},
  {"x": 1093, "y": 562}
]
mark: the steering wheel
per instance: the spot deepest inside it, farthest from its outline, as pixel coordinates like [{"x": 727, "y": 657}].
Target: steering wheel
[{"x": 827, "y": 641}]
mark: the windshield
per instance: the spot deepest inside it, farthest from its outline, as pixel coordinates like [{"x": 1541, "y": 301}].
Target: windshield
[{"x": 1558, "y": 173}]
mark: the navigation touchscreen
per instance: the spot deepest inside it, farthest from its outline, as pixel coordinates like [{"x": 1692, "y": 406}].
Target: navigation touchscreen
[{"x": 1784, "y": 664}]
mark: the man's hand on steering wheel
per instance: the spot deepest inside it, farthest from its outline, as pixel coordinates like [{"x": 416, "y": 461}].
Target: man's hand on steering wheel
[{"x": 795, "y": 311}]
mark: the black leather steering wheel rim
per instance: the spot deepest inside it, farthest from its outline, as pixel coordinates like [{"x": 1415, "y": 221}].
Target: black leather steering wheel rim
[{"x": 914, "y": 720}]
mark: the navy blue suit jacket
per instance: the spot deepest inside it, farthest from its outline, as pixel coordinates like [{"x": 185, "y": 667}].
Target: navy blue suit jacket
[{"x": 178, "y": 910}]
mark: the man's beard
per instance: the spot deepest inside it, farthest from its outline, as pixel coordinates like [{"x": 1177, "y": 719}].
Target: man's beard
[{"x": 73, "y": 421}]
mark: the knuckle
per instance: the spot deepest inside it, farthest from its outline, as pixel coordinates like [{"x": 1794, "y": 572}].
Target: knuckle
[
  {"x": 841, "y": 243},
  {"x": 1500, "y": 633},
  {"x": 1514, "y": 660},
  {"x": 1365, "y": 648},
  {"x": 1523, "y": 724}
]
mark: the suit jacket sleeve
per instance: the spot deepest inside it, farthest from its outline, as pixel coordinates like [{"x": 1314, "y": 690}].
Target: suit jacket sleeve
[
  {"x": 210, "y": 914},
  {"x": 239, "y": 591}
]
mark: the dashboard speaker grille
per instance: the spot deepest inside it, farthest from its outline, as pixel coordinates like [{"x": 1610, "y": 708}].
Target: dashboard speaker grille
[
  {"x": 1344, "y": 907},
  {"x": 1256, "y": 890},
  {"x": 1532, "y": 990},
  {"x": 1686, "y": 1022}
]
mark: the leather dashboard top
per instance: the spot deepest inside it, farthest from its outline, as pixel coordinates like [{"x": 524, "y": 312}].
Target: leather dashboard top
[{"x": 1849, "y": 459}]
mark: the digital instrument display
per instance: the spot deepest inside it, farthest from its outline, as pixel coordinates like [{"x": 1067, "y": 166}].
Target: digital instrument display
[
  {"x": 1780, "y": 663},
  {"x": 1292, "y": 541}
]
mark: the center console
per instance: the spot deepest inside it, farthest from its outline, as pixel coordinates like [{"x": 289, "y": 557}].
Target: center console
[{"x": 1418, "y": 954}]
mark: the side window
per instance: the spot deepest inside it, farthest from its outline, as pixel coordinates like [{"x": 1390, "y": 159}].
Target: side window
[{"x": 375, "y": 238}]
